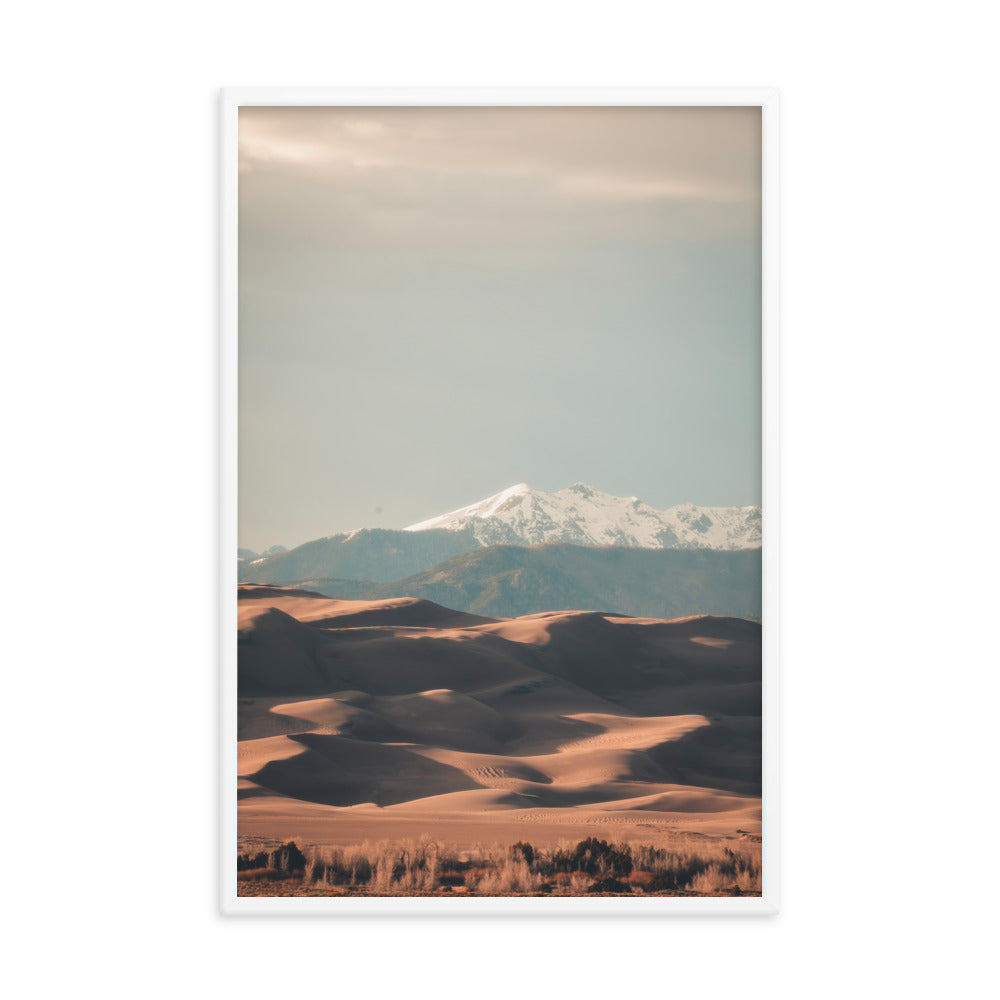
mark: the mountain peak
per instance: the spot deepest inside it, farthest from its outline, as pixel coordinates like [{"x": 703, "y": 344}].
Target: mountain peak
[{"x": 583, "y": 515}]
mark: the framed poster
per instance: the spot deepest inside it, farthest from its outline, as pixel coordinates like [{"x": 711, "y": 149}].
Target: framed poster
[{"x": 499, "y": 501}]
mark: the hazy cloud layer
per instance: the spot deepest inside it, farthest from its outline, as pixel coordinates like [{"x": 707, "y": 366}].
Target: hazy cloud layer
[{"x": 435, "y": 303}]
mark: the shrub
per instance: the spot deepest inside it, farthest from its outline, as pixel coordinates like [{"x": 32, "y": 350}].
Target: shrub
[
  {"x": 246, "y": 862},
  {"x": 523, "y": 850},
  {"x": 595, "y": 857},
  {"x": 512, "y": 877},
  {"x": 288, "y": 858}
]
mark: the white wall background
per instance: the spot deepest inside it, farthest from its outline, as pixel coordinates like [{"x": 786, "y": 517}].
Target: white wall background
[{"x": 889, "y": 649}]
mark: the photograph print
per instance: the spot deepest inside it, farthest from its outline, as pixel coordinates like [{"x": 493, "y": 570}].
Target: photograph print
[{"x": 498, "y": 499}]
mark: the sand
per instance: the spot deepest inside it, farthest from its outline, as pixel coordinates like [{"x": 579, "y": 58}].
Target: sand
[{"x": 387, "y": 720}]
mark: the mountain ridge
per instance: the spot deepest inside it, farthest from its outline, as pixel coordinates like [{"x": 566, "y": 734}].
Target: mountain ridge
[
  {"x": 511, "y": 580},
  {"x": 583, "y": 515}
]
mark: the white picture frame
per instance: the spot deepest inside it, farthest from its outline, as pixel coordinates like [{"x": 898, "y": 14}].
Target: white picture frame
[{"x": 232, "y": 99}]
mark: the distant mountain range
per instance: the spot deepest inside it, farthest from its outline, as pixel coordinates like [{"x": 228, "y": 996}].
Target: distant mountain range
[
  {"x": 507, "y": 581},
  {"x": 523, "y": 551},
  {"x": 242, "y": 554},
  {"x": 369, "y": 554},
  {"x": 581, "y": 515}
]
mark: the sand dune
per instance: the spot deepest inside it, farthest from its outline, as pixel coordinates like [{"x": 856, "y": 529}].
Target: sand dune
[
  {"x": 308, "y": 606},
  {"x": 393, "y": 718}
]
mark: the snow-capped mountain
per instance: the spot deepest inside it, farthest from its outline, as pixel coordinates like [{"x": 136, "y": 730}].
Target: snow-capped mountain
[{"x": 581, "y": 515}]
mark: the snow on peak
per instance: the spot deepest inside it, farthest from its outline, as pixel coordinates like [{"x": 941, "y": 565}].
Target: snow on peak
[{"x": 583, "y": 515}]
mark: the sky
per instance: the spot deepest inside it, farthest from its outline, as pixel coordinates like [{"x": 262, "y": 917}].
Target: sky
[{"x": 437, "y": 303}]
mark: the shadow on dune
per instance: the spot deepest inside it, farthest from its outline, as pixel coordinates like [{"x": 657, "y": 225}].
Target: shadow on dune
[
  {"x": 412, "y": 614},
  {"x": 726, "y": 755},
  {"x": 336, "y": 771}
]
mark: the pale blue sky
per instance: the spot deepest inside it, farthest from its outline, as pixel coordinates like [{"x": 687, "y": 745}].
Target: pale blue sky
[{"x": 438, "y": 303}]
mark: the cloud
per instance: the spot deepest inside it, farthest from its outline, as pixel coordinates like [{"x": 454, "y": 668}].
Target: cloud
[
  {"x": 603, "y": 154},
  {"x": 434, "y": 178}
]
